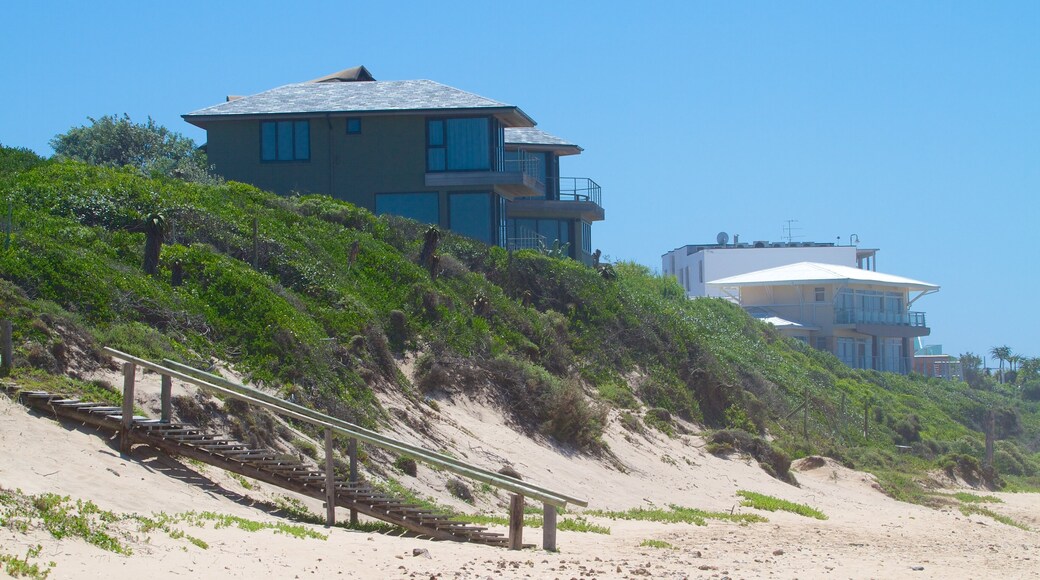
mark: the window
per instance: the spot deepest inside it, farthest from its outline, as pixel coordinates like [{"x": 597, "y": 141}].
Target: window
[
  {"x": 700, "y": 271},
  {"x": 470, "y": 214},
  {"x": 458, "y": 144},
  {"x": 819, "y": 294},
  {"x": 423, "y": 207},
  {"x": 285, "y": 141},
  {"x": 353, "y": 126},
  {"x": 821, "y": 343},
  {"x": 586, "y": 237}
]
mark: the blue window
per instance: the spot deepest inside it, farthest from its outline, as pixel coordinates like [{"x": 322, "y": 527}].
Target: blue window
[
  {"x": 471, "y": 214},
  {"x": 423, "y": 207},
  {"x": 353, "y": 126},
  {"x": 285, "y": 141},
  {"x": 458, "y": 144},
  {"x": 586, "y": 237}
]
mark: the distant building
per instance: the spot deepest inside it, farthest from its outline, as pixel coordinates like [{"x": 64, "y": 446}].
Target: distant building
[
  {"x": 861, "y": 316},
  {"x": 414, "y": 148},
  {"x": 695, "y": 265}
]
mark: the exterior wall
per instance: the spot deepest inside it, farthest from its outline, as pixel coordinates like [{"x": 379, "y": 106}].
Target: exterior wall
[
  {"x": 797, "y": 303},
  {"x": 388, "y": 156},
  {"x": 695, "y": 269}
]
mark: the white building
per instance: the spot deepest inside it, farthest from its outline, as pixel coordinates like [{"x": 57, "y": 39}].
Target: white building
[
  {"x": 861, "y": 316},
  {"x": 695, "y": 265}
]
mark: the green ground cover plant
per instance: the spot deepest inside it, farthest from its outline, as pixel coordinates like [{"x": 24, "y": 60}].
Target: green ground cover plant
[
  {"x": 661, "y": 544},
  {"x": 769, "y": 503},
  {"x": 678, "y": 514}
]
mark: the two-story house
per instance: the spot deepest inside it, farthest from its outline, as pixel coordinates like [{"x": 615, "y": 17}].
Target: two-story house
[
  {"x": 413, "y": 148},
  {"x": 861, "y": 316}
]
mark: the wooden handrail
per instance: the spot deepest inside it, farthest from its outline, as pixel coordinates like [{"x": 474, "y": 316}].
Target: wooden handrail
[{"x": 304, "y": 414}]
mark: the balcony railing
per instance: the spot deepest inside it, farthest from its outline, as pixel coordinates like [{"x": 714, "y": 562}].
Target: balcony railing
[
  {"x": 528, "y": 165},
  {"x": 580, "y": 189},
  {"x": 900, "y": 365},
  {"x": 859, "y": 316},
  {"x": 526, "y": 240}
]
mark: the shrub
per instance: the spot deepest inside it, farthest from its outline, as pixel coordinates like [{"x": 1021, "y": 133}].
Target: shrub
[
  {"x": 771, "y": 460},
  {"x": 407, "y": 466}
]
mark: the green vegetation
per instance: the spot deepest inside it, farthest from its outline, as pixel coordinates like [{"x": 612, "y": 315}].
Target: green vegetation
[
  {"x": 322, "y": 300},
  {"x": 977, "y": 510},
  {"x": 772, "y": 504},
  {"x": 567, "y": 524},
  {"x": 63, "y": 518},
  {"x": 656, "y": 544},
  {"x": 20, "y": 567},
  {"x": 678, "y": 514},
  {"x": 972, "y": 498}
]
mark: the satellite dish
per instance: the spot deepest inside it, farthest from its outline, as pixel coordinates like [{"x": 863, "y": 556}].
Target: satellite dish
[{"x": 722, "y": 238}]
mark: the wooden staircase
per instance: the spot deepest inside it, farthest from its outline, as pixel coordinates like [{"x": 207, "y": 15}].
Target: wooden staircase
[{"x": 263, "y": 465}]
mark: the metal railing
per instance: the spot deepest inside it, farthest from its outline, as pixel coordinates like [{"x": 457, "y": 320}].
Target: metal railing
[
  {"x": 530, "y": 166},
  {"x": 526, "y": 240},
  {"x": 219, "y": 385},
  {"x": 580, "y": 189},
  {"x": 860, "y": 316},
  {"x": 900, "y": 365}
]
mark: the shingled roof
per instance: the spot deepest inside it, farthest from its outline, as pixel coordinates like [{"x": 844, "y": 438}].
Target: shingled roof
[
  {"x": 539, "y": 139},
  {"x": 358, "y": 97}
]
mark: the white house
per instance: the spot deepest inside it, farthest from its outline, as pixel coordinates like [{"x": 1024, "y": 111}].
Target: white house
[
  {"x": 862, "y": 316},
  {"x": 695, "y": 265}
]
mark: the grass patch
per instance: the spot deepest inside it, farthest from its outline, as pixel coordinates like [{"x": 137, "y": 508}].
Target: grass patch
[
  {"x": 769, "y": 503},
  {"x": 21, "y": 567},
  {"x": 656, "y": 544},
  {"x": 966, "y": 497},
  {"x": 574, "y": 524},
  {"x": 63, "y": 518},
  {"x": 241, "y": 480},
  {"x": 678, "y": 514},
  {"x": 969, "y": 510}
]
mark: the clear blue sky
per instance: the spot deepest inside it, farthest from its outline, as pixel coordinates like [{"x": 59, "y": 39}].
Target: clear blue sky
[{"x": 915, "y": 125}]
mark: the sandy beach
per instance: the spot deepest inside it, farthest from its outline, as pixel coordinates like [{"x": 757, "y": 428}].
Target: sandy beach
[{"x": 866, "y": 535}]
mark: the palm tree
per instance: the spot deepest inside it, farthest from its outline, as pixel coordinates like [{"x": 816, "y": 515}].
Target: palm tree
[{"x": 1002, "y": 354}]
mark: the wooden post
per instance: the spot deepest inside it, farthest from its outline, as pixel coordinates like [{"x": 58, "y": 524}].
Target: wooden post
[
  {"x": 990, "y": 437},
  {"x": 256, "y": 242},
  {"x": 352, "y": 451},
  {"x": 866, "y": 419},
  {"x": 165, "y": 394},
  {"x": 549, "y": 527},
  {"x": 6, "y": 347},
  {"x": 805, "y": 415},
  {"x": 516, "y": 522},
  {"x": 330, "y": 482},
  {"x": 127, "y": 419}
]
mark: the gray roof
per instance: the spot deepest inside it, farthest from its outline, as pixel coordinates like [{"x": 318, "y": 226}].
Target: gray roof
[
  {"x": 356, "y": 97},
  {"x": 532, "y": 136}
]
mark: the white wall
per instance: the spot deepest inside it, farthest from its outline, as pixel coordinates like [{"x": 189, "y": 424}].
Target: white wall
[{"x": 724, "y": 262}]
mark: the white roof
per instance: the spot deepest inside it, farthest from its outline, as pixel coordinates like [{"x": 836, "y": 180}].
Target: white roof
[
  {"x": 786, "y": 324},
  {"x": 816, "y": 273}
]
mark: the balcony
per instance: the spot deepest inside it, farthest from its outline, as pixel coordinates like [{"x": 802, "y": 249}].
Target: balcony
[
  {"x": 519, "y": 177},
  {"x": 883, "y": 323},
  {"x": 579, "y": 198},
  {"x": 900, "y": 365}
]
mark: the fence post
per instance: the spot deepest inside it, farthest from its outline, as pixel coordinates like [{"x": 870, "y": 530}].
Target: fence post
[
  {"x": 330, "y": 482},
  {"x": 352, "y": 451},
  {"x": 866, "y": 419},
  {"x": 548, "y": 527},
  {"x": 127, "y": 419},
  {"x": 6, "y": 347},
  {"x": 990, "y": 438},
  {"x": 167, "y": 388},
  {"x": 516, "y": 522}
]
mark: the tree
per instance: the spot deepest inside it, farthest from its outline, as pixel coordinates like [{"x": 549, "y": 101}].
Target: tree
[
  {"x": 151, "y": 148},
  {"x": 154, "y": 232},
  {"x": 972, "y": 371},
  {"x": 1002, "y": 354}
]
